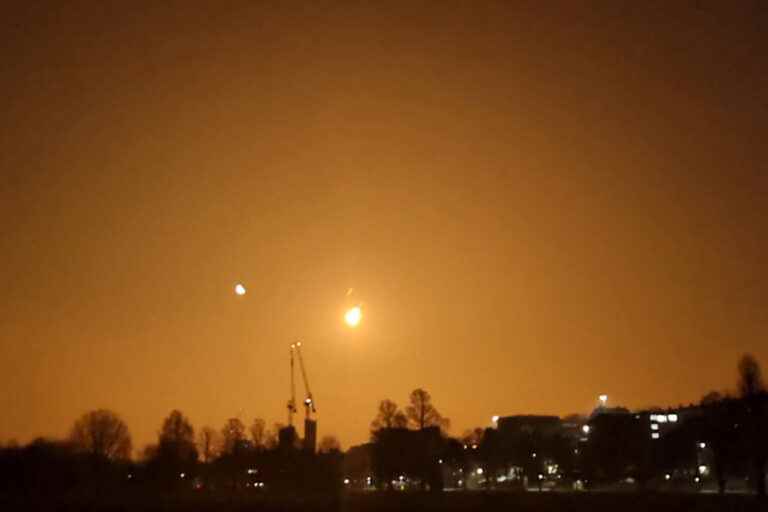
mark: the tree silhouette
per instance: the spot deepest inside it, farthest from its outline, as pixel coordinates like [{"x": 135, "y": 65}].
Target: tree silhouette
[
  {"x": 258, "y": 433},
  {"x": 177, "y": 438},
  {"x": 421, "y": 413},
  {"x": 102, "y": 433},
  {"x": 711, "y": 398},
  {"x": 389, "y": 416},
  {"x": 750, "y": 377},
  {"x": 329, "y": 444},
  {"x": 207, "y": 443},
  {"x": 232, "y": 436},
  {"x": 752, "y": 391},
  {"x": 176, "y": 453}
]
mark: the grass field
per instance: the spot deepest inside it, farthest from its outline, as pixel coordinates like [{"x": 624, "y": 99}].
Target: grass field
[{"x": 490, "y": 502}]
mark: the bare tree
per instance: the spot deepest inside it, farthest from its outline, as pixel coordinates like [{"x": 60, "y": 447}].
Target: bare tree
[
  {"x": 232, "y": 435},
  {"x": 207, "y": 443},
  {"x": 329, "y": 444},
  {"x": 750, "y": 377},
  {"x": 421, "y": 413},
  {"x": 102, "y": 433},
  {"x": 752, "y": 390},
  {"x": 177, "y": 438},
  {"x": 389, "y": 416},
  {"x": 258, "y": 433},
  {"x": 177, "y": 428}
]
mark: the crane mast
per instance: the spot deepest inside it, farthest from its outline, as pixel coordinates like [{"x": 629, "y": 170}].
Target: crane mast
[
  {"x": 309, "y": 401},
  {"x": 292, "y": 400},
  {"x": 310, "y": 425}
]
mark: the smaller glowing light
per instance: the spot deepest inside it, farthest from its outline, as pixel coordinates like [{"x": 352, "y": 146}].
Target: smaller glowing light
[
  {"x": 541, "y": 477},
  {"x": 465, "y": 447},
  {"x": 247, "y": 484},
  {"x": 261, "y": 484},
  {"x": 495, "y": 419},
  {"x": 703, "y": 469},
  {"x": 702, "y": 445},
  {"x": 240, "y": 289},
  {"x": 576, "y": 451},
  {"x": 479, "y": 471},
  {"x": 654, "y": 426},
  {"x": 672, "y": 418},
  {"x": 252, "y": 471},
  {"x": 346, "y": 481},
  {"x": 402, "y": 478},
  {"x": 661, "y": 418},
  {"x": 474, "y": 446},
  {"x": 182, "y": 475},
  {"x": 655, "y": 435},
  {"x": 461, "y": 482},
  {"x": 586, "y": 429},
  {"x": 439, "y": 461},
  {"x": 130, "y": 476},
  {"x": 501, "y": 478},
  {"x": 603, "y": 399},
  {"x": 533, "y": 455},
  {"x": 697, "y": 479},
  {"x": 667, "y": 476}
]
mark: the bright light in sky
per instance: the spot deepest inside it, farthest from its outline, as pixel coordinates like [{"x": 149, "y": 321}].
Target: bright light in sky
[
  {"x": 353, "y": 316},
  {"x": 239, "y": 289}
]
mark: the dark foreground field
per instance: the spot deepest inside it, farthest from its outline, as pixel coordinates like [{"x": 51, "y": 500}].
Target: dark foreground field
[{"x": 490, "y": 502}]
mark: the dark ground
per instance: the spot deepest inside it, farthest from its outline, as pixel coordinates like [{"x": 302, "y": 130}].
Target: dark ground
[{"x": 518, "y": 502}]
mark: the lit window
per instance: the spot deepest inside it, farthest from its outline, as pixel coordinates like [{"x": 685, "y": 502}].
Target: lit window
[
  {"x": 655, "y": 435},
  {"x": 654, "y": 426},
  {"x": 672, "y": 418}
]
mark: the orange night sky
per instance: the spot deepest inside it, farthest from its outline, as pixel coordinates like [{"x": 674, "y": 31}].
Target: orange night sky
[{"x": 536, "y": 202}]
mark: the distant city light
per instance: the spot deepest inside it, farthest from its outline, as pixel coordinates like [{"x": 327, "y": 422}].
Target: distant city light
[
  {"x": 479, "y": 471},
  {"x": 346, "y": 481},
  {"x": 655, "y": 435},
  {"x": 495, "y": 419},
  {"x": 585, "y": 429},
  {"x": 654, "y": 426},
  {"x": 541, "y": 477},
  {"x": 697, "y": 479},
  {"x": 439, "y": 461},
  {"x": 182, "y": 475},
  {"x": 703, "y": 469},
  {"x": 702, "y": 445},
  {"x": 672, "y": 418},
  {"x": 603, "y": 399},
  {"x": 533, "y": 455},
  {"x": 240, "y": 289},
  {"x": 667, "y": 476}
]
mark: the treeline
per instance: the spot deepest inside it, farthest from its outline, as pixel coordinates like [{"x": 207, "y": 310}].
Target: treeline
[
  {"x": 723, "y": 439},
  {"x": 96, "y": 459}
]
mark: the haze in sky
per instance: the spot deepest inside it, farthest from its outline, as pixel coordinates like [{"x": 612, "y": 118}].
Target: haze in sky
[{"x": 535, "y": 202}]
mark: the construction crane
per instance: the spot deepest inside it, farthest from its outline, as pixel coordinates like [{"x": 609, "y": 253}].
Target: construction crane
[
  {"x": 292, "y": 400},
  {"x": 310, "y": 425},
  {"x": 309, "y": 402}
]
